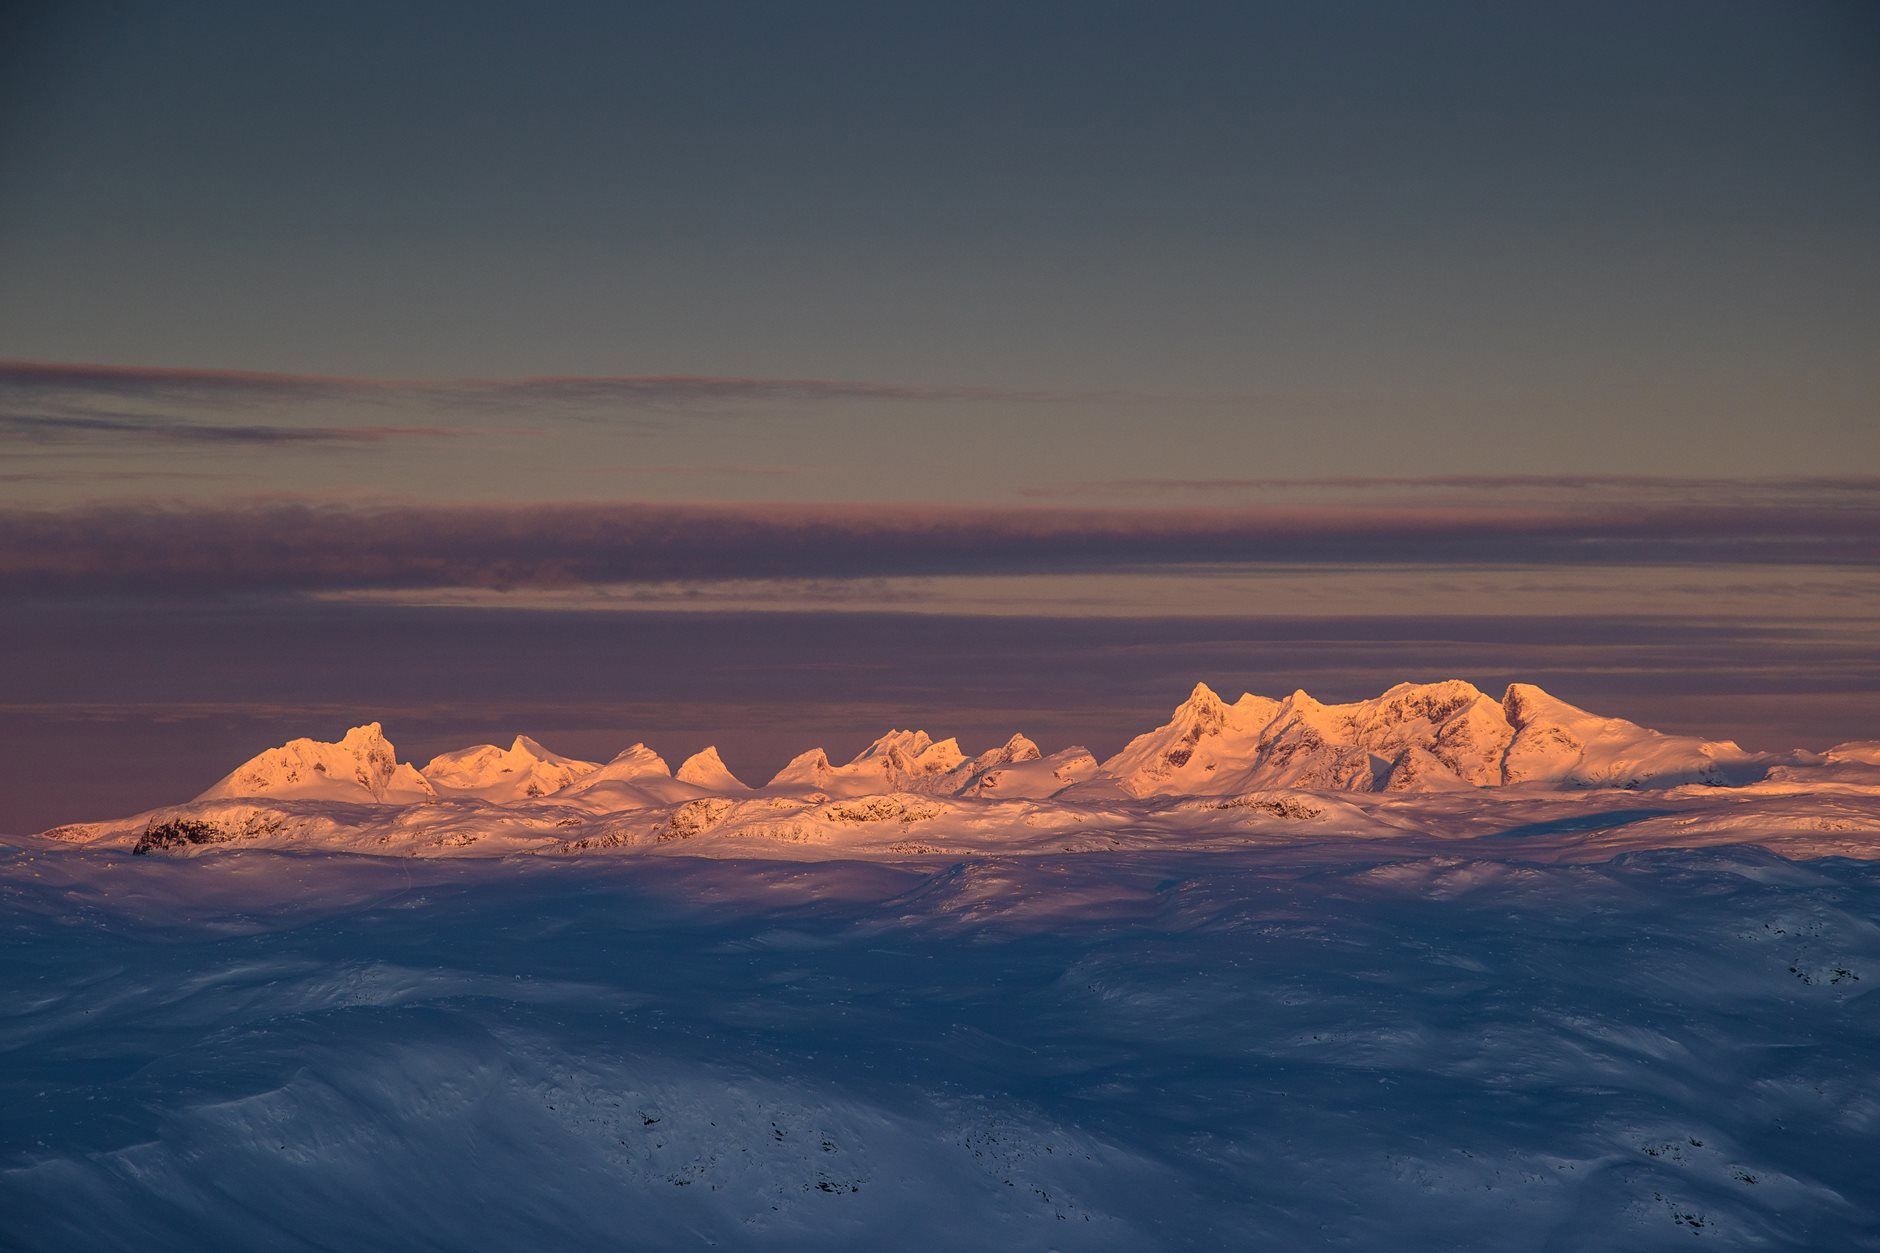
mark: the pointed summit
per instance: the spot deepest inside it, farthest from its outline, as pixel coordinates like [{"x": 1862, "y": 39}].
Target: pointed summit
[
  {"x": 1204, "y": 701},
  {"x": 1020, "y": 748},
  {"x": 707, "y": 769},
  {"x": 904, "y": 746},
  {"x": 809, "y": 771},
  {"x": 937, "y": 759},
  {"x": 971, "y": 773},
  {"x": 636, "y": 761},
  {"x": 1189, "y": 751}
]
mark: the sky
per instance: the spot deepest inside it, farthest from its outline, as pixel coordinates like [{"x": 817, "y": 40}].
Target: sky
[{"x": 767, "y": 374}]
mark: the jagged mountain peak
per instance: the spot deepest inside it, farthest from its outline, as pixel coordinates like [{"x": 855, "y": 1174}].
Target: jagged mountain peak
[
  {"x": 707, "y": 756},
  {"x": 940, "y": 756},
  {"x": 1415, "y": 736},
  {"x": 910, "y": 744},
  {"x": 1203, "y": 697},
  {"x": 524, "y": 769},
  {"x": 360, "y": 766},
  {"x": 1020, "y": 748},
  {"x": 707, "y": 769},
  {"x": 1434, "y": 701}
]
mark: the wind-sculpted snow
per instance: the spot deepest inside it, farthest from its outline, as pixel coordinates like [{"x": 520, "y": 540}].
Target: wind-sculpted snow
[{"x": 1313, "y": 1044}]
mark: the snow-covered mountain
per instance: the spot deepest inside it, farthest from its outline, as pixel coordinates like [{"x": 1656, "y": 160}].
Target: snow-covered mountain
[
  {"x": 900, "y": 761},
  {"x": 1195, "y": 752},
  {"x": 1413, "y": 738},
  {"x": 707, "y": 769},
  {"x": 1427, "y": 737},
  {"x": 1417, "y": 754},
  {"x": 912, "y": 761},
  {"x": 1019, "y": 770},
  {"x": 1448, "y": 992},
  {"x": 1561, "y": 744},
  {"x": 361, "y": 767},
  {"x": 525, "y": 769},
  {"x": 636, "y": 778}
]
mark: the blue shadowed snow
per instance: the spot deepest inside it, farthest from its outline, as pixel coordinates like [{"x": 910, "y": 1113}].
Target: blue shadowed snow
[
  {"x": 1108, "y": 1051},
  {"x": 1608, "y": 820}
]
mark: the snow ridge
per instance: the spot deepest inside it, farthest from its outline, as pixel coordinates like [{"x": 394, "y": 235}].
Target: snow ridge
[
  {"x": 1416, "y": 737},
  {"x": 1413, "y": 738},
  {"x": 1215, "y": 769}
]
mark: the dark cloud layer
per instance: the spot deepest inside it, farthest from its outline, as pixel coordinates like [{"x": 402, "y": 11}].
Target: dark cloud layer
[{"x": 310, "y": 547}]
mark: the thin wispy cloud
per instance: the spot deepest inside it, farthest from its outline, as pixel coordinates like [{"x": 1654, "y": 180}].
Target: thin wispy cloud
[
  {"x": 331, "y": 546},
  {"x": 83, "y": 407},
  {"x": 1661, "y": 487},
  {"x": 92, "y": 428},
  {"x": 169, "y": 385},
  {"x": 40, "y": 476}
]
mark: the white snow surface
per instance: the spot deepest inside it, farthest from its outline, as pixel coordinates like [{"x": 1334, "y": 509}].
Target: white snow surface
[
  {"x": 1337, "y": 1043},
  {"x": 1439, "y": 762},
  {"x": 1415, "y": 737},
  {"x": 1427, "y": 972},
  {"x": 523, "y": 770},
  {"x": 360, "y": 767},
  {"x": 707, "y": 769}
]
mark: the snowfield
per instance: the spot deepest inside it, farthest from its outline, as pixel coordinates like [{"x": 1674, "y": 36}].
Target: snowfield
[
  {"x": 927, "y": 1000},
  {"x": 1304, "y": 1047}
]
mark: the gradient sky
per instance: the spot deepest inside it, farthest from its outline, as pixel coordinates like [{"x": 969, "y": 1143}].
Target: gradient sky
[{"x": 1191, "y": 336}]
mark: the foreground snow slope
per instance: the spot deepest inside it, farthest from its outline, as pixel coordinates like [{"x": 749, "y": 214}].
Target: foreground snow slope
[{"x": 1312, "y": 1044}]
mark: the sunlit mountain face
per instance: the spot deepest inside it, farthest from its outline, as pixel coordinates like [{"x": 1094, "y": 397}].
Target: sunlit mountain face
[{"x": 601, "y": 609}]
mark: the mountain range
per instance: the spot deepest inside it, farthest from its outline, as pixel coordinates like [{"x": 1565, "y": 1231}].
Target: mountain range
[
  {"x": 1413, "y": 738},
  {"x": 1443, "y": 760}
]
